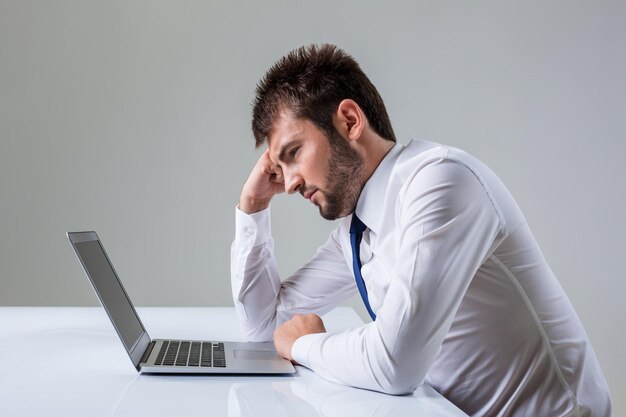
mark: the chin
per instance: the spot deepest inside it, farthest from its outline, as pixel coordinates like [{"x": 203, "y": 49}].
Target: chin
[
  {"x": 332, "y": 214},
  {"x": 325, "y": 214},
  {"x": 328, "y": 217},
  {"x": 336, "y": 208}
]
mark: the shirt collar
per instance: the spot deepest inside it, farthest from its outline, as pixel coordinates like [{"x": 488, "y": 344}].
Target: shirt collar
[{"x": 368, "y": 206}]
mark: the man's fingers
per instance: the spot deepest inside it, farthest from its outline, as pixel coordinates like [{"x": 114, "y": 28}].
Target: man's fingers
[
  {"x": 277, "y": 178},
  {"x": 299, "y": 325},
  {"x": 264, "y": 182},
  {"x": 309, "y": 323}
]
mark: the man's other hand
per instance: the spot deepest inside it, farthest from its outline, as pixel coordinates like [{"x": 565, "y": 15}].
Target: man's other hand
[
  {"x": 286, "y": 334},
  {"x": 265, "y": 181}
]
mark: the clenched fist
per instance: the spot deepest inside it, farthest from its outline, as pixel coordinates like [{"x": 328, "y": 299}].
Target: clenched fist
[
  {"x": 299, "y": 325},
  {"x": 265, "y": 181}
]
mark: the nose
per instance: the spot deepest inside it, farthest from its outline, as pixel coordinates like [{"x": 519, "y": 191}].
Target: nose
[{"x": 293, "y": 182}]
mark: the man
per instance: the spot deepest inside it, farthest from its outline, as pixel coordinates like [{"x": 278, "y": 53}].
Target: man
[{"x": 459, "y": 293}]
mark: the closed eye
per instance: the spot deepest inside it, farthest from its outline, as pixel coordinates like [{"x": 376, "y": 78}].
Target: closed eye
[{"x": 293, "y": 152}]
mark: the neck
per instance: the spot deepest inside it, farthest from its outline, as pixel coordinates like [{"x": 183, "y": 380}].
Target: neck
[{"x": 375, "y": 150}]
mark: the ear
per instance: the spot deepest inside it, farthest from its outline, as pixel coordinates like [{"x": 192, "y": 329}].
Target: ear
[{"x": 350, "y": 120}]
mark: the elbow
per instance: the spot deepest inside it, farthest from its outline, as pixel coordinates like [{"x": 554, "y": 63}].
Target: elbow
[
  {"x": 257, "y": 331},
  {"x": 400, "y": 380},
  {"x": 399, "y": 391},
  {"x": 255, "y": 327},
  {"x": 257, "y": 338},
  {"x": 399, "y": 387},
  {"x": 257, "y": 334}
]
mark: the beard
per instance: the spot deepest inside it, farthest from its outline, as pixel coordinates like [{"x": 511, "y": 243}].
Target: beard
[{"x": 345, "y": 179}]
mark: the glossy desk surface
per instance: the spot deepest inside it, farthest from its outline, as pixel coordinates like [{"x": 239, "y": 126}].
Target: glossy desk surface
[{"x": 68, "y": 361}]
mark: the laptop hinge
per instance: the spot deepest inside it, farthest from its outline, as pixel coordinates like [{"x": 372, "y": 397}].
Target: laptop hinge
[{"x": 147, "y": 353}]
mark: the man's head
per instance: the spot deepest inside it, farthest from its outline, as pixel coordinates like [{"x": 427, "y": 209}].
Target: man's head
[
  {"x": 319, "y": 114},
  {"x": 310, "y": 82}
]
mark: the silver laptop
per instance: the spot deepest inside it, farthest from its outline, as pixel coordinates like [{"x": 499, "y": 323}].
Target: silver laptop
[{"x": 167, "y": 356}]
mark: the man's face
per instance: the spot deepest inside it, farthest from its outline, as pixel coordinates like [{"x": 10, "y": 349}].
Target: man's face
[{"x": 325, "y": 170}]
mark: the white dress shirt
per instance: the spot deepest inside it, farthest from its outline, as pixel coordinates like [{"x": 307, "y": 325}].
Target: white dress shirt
[{"x": 464, "y": 298}]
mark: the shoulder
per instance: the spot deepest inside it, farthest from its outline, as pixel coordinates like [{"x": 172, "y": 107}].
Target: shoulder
[
  {"x": 442, "y": 177},
  {"x": 435, "y": 164}
]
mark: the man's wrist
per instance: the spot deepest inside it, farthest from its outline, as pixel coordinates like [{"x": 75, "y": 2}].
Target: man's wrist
[
  {"x": 301, "y": 347},
  {"x": 252, "y": 229},
  {"x": 251, "y": 205}
]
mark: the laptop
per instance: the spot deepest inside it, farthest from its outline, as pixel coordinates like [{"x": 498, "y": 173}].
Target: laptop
[{"x": 167, "y": 356}]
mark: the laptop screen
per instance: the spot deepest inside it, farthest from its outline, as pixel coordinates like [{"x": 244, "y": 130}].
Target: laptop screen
[{"x": 111, "y": 292}]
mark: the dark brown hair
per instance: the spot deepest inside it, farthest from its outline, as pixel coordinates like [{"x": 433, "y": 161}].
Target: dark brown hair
[{"x": 310, "y": 82}]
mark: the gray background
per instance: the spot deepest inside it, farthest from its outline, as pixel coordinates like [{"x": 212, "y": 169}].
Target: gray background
[{"x": 132, "y": 118}]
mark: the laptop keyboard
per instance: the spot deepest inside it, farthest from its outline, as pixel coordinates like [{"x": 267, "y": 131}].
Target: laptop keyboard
[{"x": 203, "y": 354}]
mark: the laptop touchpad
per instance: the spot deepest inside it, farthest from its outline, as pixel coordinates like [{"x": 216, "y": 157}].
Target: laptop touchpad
[{"x": 254, "y": 354}]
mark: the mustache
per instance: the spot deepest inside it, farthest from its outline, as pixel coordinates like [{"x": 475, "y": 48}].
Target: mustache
[{"x": 307, "y": 191}]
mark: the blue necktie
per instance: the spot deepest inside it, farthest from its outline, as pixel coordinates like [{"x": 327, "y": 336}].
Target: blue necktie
[{"x": 357, "y": 227}]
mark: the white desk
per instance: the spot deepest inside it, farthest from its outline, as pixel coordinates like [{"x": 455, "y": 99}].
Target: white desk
[{"x": 49, "y": 369}]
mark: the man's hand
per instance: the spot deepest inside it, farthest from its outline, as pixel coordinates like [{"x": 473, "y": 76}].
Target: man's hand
[
  {"x": 299, "y": 325},
  {"x": 265, "y": 181}
]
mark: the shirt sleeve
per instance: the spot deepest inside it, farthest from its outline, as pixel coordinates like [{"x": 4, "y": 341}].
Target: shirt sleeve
[
  {"x": 446, "y": 226},
  {"x": 261, "y": 300}
]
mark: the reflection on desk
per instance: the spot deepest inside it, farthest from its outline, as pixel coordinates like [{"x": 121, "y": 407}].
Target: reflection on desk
[
  {"x": 70, "y": 362},
  {"x": 305, "y": 395}
]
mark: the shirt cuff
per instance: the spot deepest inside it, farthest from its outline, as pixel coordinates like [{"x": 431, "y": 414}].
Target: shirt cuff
[
  {"x": 302, "y": 345},
  {"x": 253, "y": 229}
]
